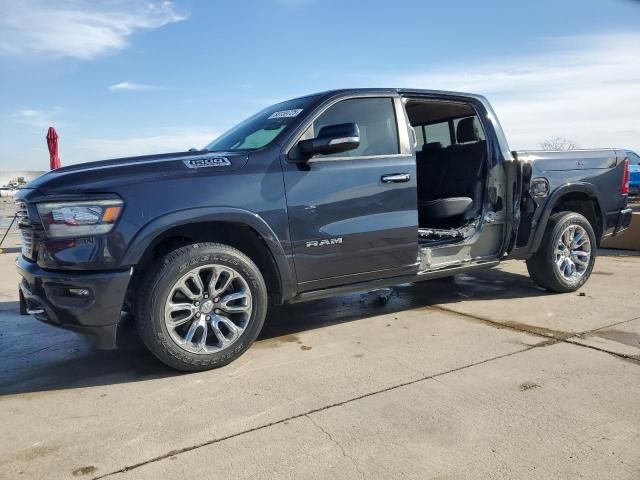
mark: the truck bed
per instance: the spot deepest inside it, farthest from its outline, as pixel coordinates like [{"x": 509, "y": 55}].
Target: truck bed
[{"x": 553, "y": 160}]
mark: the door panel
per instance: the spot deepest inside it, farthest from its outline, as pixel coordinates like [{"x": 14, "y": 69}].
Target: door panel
[{"x": 345, "y": 220}]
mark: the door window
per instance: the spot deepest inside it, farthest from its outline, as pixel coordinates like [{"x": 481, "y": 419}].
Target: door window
[{"x": 376, "y": 120}]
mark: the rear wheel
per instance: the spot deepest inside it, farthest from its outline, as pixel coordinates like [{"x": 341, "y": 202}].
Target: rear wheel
[
  {"x": 201, "y": 307},
  {"x": 566, "y": 257}
]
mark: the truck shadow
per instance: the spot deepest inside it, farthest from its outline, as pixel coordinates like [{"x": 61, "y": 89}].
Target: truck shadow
[
  {"x": 485, "y": 285},
  {"x": 37, "y": 357}
]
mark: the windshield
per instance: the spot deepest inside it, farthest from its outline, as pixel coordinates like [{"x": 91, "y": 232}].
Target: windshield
[{"x": 261, "y": 129}]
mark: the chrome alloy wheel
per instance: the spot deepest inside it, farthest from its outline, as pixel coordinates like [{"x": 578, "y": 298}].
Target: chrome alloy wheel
[
  {"x": 208, "y": 309},
  {"x": 573, "y": 253}
]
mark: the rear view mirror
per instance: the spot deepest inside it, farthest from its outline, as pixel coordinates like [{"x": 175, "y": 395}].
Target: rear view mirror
[{"x": 331, "y": 139}]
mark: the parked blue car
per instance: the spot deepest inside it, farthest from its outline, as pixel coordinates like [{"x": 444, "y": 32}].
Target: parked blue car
[{"x": 634, "y": 173}]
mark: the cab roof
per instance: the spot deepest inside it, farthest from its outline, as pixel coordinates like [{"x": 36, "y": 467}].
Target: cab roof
[{"x": 401, "y": 91}]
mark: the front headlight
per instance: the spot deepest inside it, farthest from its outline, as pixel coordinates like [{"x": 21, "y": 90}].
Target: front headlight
[{"x": 79, "y": 219}]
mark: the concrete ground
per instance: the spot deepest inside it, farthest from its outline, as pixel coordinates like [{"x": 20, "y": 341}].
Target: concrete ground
[{"x": 486, "y": 376}]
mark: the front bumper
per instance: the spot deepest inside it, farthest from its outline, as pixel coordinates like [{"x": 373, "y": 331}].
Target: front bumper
[{"x": 86, "y": 302}]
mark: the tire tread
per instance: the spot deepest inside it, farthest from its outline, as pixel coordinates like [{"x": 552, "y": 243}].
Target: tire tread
[
  {"x": 539, "y": 265},
  {"x": 146, "y": 303}
]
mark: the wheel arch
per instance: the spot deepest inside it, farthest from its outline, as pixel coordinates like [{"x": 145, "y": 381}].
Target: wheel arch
[
  {"x": 582, "y": 198},
  {"x": 241, "y": 229}
]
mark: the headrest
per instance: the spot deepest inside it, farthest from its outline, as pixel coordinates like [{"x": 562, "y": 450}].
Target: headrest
[
  {"x": 427, "y": 147},
  {"x": 467, "y": 131}
]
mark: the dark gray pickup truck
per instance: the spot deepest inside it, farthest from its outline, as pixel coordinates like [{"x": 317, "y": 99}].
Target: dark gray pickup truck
[{"x": 330, "y": 193}]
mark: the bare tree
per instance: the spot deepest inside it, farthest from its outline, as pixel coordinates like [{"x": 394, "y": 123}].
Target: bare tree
[{"x": 559, "y": 143}]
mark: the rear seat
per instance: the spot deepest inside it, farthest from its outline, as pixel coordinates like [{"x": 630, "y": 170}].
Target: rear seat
[{"x": 451, "y": 179}]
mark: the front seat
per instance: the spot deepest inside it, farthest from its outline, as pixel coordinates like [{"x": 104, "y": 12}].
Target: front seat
[{"x": 461, "y": 187}]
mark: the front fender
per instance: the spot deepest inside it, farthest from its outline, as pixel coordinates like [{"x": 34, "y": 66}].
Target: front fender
[{"x": 147, "y": 234}]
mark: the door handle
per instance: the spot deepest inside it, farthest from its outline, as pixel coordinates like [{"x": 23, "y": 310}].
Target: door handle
[{"x": 396, "y": 178}]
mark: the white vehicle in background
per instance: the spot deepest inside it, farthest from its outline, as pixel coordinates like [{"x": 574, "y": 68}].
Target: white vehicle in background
[
  {"x": 9, "y": 191},
  {"x": 5, "y": 190},
  {"x": 11, "y": 188}
]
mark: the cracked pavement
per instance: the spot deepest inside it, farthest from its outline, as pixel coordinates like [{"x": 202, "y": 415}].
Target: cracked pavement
[{"x": 482, "y": 377}]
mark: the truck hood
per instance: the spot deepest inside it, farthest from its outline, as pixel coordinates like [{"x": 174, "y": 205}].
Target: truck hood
[{"x": 103, "y": 175}]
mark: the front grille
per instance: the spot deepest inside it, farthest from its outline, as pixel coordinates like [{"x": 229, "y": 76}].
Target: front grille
[
  {"x": 27, "y": 243},
  {"x": 26, "y": 229},
  {"x": 22, "y": 212}
]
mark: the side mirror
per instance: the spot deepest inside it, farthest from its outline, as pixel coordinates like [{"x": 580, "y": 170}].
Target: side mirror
[{"x": 332, "y": 139}]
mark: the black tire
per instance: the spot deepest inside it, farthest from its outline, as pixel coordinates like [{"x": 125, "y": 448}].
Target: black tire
[
  {"x": 157, "y": 285},
  {"x": 542, "y": 265}
]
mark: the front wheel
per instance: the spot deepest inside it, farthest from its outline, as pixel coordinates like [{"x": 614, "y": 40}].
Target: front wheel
[
  {"x": 201, "y": 307},
  {"x": 566, "y": 257}
]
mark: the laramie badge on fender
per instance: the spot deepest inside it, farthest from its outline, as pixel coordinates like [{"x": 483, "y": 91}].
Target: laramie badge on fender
[
  {"x": 203, "y": 162},
  {"x": 326, "y": 241}
]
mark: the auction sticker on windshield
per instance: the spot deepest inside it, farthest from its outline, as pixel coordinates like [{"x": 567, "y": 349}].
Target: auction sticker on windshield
[{"x": 285, "y": 113}]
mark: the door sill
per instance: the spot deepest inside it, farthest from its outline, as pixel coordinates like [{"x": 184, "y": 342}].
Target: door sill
[{"x": 434, "y": 236}]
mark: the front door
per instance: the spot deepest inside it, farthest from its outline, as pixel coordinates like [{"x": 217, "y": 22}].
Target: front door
[{"x": 353, "y": 215}]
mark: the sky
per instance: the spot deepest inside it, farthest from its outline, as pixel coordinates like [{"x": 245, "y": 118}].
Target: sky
[{"x": 130, "y": 77}]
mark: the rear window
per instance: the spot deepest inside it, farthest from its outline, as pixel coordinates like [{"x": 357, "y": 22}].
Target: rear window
[
  {"x": 438, "y": 132},
  {"x": 441, "y": 132},
  {"x": 419, "y": 137}
]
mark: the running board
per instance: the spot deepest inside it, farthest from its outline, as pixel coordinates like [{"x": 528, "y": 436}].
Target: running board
[{"x": 389, "y": 282}]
